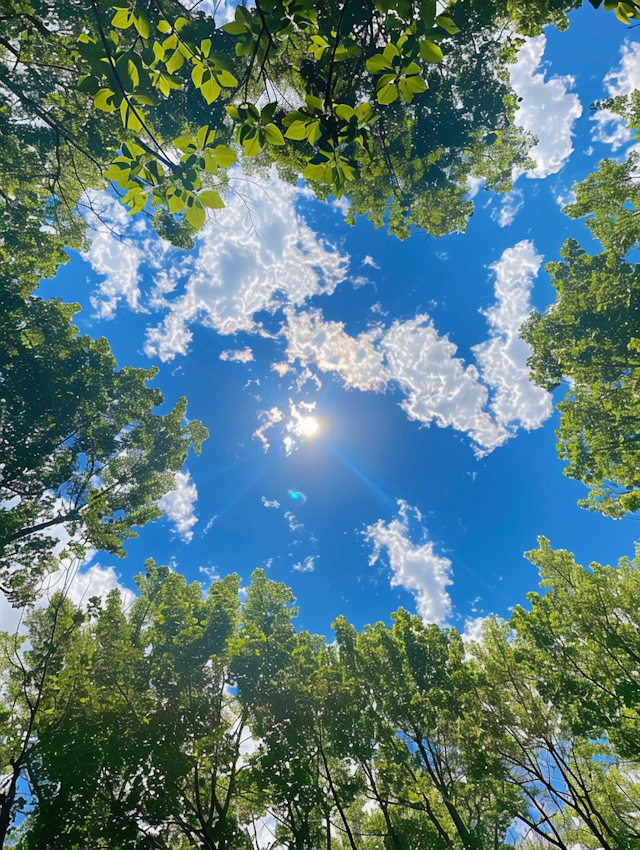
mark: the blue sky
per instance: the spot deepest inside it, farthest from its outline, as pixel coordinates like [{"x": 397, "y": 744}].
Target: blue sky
[{"x": 433, "y": 466}]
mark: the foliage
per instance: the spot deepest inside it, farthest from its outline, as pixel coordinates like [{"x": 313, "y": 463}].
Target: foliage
[
  {"x": 83, "y": 457},
  {"x": 386, "y": 100},
  {"x": 590, "y": 337},
  {"x": 188, "y": 718}
]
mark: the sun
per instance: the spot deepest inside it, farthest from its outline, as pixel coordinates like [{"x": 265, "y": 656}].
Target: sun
[{"x": 309, "y": 426}]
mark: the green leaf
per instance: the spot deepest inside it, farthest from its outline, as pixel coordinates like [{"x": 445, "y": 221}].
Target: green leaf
[
  {"x": 387, "y": 93},
  {"x": 185, "y": 143},
  {"x": 211, "y": 199},
  {"x": 196, "y": 215},
  {"x": 430, "y": 52},
  {"x": 234, "y": 28},
  {"x": 205, "y": 136},
  {"x": 243, "y": 15},
  {"x": 447, "y": 24},
  {"x": 378, "y": 63},
  {"x": 390, "y": 52},
  {"x": 297, "y": 130},
  {"x": 141, "y": 23},
  {"x": 210, "y": 89},
  {"x": 266, "y": 113},
  {"x": 226, "y": 79},
  {"x": 344, "y": 111},
  {"x": 130, "y": 116},
  {"x": 273, "y": 135},
  {"x": 163, "y": 26},
  {"x": 88, "y": 84},
  {"x": 122, "y": 18},
  {"x": 314, "y": 102},
  {"x": 175, "y": 62},
  {"x": 102, "y": 100},
  {"x": 314, "y": 172},
  {"x": 205, "y": 46},
  {"x": 251, "y": 144},
  {"x": 224, "y": 156}
]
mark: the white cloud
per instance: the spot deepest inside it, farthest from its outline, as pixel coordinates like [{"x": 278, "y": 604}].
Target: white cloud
[
  {"x": 438, "y": 386},
  {"x": 294, "y": 525},
  {"x": 270, "y": 504},
  {"x": 485, "y": 402},
  {"x": 472, "y": 632},
  {"x": 112, "y": 254},
  {"x": 410, "y": 354},
  {"x": 369, "y": 261},
  {"x": 474, "y": 184},
  {"x": 548, "y": 109},
  {"x": 503, "y": 357},
  {"x": 262, "y": 256},
  {"x": 178, "y": 505},
  {"x": 610, "y": 128},
  {"x": 563, "y": 196},
  {"x": 415, "y": 566},
  {"x": 268, "y": 418},
  {"x": 356, "y": 359},
  {"x": 306, "y": 566},
  {"x": 242, "y": 355},
  {"x": 510, "y": 205}
]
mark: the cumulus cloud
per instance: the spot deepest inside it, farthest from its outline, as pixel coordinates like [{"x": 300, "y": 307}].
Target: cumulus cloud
[
  {"x": 270, "y": 504},
  {"x": 608, "y": 127},
  {"x": 487, "y": 401},
  {"x": 242, "y": 355},
  {"x": 112, "y": 254},
  {"x": 502, "y": 359},
  {"x": 247, "y": 264},
  {"x": 369, "y": 261},
  {"x": 410, "y": 354},
  {"x": 178, "y": 505},
  {"x": 414, "y": 566},
  {"x": 510, "y": 205},
  {"x": 548, "y": 109},
  {"x": 307, "y": 565}
]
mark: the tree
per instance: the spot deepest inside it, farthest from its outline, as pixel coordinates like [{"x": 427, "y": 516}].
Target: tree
[
  {"x": 28, "y": 679},
  {"x": 148, "y": 698},
  {"x": 591, "y": 336},
  {"x": 386, "y": 101},
  {"x": 82, "y": 454}
]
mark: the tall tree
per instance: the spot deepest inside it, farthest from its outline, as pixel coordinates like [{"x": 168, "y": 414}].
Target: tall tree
[
  {"x": 138, "y": 741},
  {"x": 591, "y": 337},
  {"x": 83, "y": 456}
]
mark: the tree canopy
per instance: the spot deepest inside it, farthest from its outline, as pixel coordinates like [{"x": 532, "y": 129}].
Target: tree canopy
[
  {"x": 590, "y": 337},
  {"x": 389, "y": 102},
  {"x": 199, "y": 720},
  {"x": 83, "y": 456}
]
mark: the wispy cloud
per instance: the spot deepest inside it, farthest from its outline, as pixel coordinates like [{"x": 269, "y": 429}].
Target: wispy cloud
[
  {"x": 307, "y": 565},
  {"x": 235, "y": 355}
]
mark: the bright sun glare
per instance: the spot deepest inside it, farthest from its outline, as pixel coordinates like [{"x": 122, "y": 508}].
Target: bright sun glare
[{"x": 309, "y": 426}]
